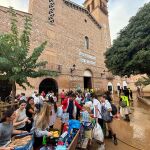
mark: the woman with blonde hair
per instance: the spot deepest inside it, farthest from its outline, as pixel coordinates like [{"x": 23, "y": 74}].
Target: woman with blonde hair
[{"x": 41, "y": 124}]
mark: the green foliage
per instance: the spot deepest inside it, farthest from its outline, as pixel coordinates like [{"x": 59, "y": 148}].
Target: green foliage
[
  {"x": 130, "y": 53},
  {"x": 144, "y": 81},
  {"x": 15, "y": 63}
]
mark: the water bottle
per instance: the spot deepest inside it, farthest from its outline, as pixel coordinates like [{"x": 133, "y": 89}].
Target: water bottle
[{"x": 44, "y": 142}]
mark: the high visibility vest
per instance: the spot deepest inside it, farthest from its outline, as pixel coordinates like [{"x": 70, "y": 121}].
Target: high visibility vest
[{"x": 125, "y": 99}]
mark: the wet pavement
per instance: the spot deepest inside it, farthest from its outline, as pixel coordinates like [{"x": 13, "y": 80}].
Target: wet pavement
[{"x": 134, "y": 134}]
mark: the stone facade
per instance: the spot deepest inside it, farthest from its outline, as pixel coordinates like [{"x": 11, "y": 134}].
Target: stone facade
[{"x": 67, "y": 27}]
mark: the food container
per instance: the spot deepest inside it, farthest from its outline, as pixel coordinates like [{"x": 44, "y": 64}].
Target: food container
[
  {"x": 53, "y": 139},
  {"x": 22, "y": 142}
]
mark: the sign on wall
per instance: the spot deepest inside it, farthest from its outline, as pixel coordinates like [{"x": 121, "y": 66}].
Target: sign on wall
[{"x": 87, "y": 59}]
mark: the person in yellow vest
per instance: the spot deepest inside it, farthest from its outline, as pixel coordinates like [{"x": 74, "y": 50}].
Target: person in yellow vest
[{"x": 124, "y": 107}]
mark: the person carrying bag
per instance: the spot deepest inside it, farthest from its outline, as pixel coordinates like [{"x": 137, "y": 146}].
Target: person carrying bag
[{"x": 108, "y": 118}]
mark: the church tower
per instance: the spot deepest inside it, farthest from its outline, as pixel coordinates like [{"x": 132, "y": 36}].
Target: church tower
[{"x": 99, "y": 10}]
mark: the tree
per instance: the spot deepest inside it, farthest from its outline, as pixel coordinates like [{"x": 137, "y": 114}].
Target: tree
[
  {"x": 130, "y": 53},
  {"x": 16, "y": 65}
]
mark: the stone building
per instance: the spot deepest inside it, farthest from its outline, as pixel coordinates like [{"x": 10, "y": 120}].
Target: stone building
[{"x": 77, "y": 39}]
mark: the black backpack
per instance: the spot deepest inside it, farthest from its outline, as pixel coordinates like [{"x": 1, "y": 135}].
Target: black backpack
[{"x": 114, "y": 109}]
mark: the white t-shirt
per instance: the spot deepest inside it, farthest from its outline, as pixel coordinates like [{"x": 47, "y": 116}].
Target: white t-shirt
[
  {"x": 78, "y": 99},
  {"x": 36, "y": 100},
  {"x": 33, "y": 95},
  {"x": 97, "y": 105},
  {"x": 107, "y": 105},
  {"x": 55, "y": 98}
]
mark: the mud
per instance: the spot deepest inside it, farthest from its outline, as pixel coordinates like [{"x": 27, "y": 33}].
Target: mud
[{"x": 134, "y": 134}]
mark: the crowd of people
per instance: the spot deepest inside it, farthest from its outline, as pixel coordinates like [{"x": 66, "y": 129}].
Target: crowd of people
[{"x": 38, "y": 113}]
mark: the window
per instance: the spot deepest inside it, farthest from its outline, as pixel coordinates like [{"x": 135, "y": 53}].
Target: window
[
  {"x": 51, "y": 11},
  {"x": 86, "y": 42}
]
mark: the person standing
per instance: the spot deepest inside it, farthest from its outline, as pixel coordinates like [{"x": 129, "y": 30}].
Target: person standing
[
  {"x": 69, "y": 106},
  {"x": 30, "y": 112},
  {"x": 41, "y": 124},
  {"x": 124, "y": 107},
  {"x": 23, "y": 97},
  {"x": 97, "y": 110},
  {"x": 130, "y": 94},
  {"x": 107, "y": 107},
  {"x": 78, "y": 99},
  {"x": 62, "y": 96},
  {"x": 53, "y": 112}
]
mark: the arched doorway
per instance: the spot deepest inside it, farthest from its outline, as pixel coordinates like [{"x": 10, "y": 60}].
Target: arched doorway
[
  {"x": 5, "y": 89},
  {"x": 124, "y": 85},
  {"x": 118, "y": 89},
  {"x": 118, "y": 86},
  {"x": 110, "y": 87},
  {"x": 87, "y": 78},
  {"x": 47, "y": 85}
]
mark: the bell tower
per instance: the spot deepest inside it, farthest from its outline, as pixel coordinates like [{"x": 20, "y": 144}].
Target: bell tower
[{"x": 99, "y": 10}]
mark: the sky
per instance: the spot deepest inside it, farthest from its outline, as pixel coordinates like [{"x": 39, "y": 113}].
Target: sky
[{"x": 120, "y": 11}]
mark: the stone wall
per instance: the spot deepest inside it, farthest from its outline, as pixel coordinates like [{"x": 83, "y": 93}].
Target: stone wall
[{"x": 66, "y": 42}]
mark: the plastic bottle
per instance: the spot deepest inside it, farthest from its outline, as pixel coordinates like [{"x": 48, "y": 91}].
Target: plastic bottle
[{"x": 44, "y": 142}]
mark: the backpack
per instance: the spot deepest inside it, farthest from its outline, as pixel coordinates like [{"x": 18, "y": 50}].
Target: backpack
[
  {"x": 106, "y": 115},
  {"x": 114, "y": 109},
  {"x": 123, "y": 104}
]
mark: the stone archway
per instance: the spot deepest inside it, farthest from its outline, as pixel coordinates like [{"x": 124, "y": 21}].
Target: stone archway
[
  {"x": 47, "y": 85},
  {"x": 110, "y": 87},
  {"x": 118, "y": 86},
  {"x": 87, "y": 78},
  {"x": 124, "y": 85}
]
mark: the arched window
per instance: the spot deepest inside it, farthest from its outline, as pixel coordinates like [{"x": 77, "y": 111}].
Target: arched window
[{"x": 86, "y": 42}]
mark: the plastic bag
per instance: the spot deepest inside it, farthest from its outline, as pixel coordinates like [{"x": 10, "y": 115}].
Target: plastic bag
[
  {"x": 98, "y": 133},
  {"x": 74, "y": 124},
  {"x": 61, "y": 147},
  {"x": 85, "y": 117},
  {"x": 123, "y": 104},
  {"x": 59, "y": 112}
]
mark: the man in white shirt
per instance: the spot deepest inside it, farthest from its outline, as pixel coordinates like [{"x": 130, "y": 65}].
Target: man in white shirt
[
  {"x": 97, "y": 110},
  {"x": 33, "y": 95},
  {"x": 78, "y": 99},
  {"x": 107, "y": 106},
  {"x": 36, "y": 99}
]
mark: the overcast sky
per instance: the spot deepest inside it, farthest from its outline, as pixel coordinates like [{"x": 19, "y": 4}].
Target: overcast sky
[{"x": 119, "y": 11}]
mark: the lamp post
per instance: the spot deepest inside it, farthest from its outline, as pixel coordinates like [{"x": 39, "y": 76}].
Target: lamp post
[{"x": 72, "y": 69}]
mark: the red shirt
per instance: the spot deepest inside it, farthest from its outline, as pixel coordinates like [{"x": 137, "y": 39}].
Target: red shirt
[
  {"x": 65, "y": 104},
  {"x": 62, "y": 95}
]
